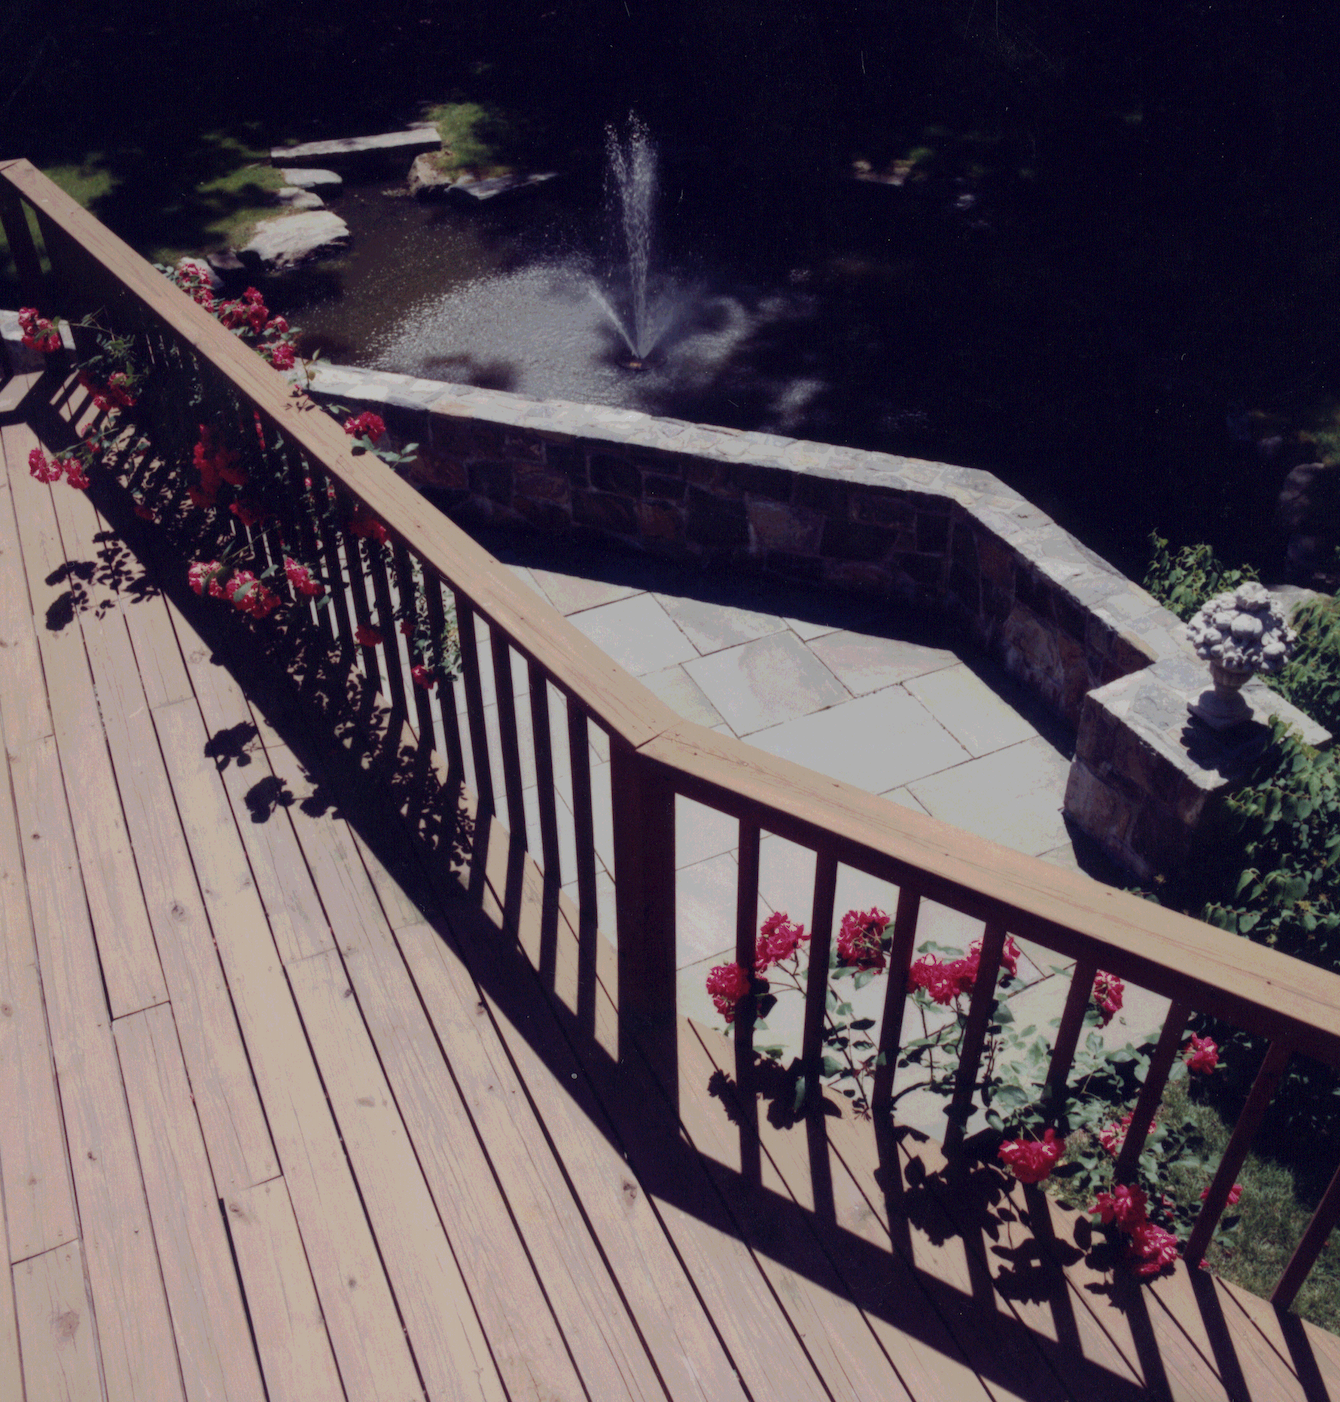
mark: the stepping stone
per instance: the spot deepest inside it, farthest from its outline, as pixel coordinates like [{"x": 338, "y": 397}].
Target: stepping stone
[
  {"x": 425, "y": 181},
  {"x": 476, "y": 191},
  {"x": 292, "y": 197},
  {"x": 292, "y": 239},
  {"x": 362, "y": 154},
  {"x": 312, "y": 179}
]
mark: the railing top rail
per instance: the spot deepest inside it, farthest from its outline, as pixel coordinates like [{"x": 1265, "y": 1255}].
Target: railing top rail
[
  {"x": 1256, "y": 988},
  {"x": 1248, "y": 984}
]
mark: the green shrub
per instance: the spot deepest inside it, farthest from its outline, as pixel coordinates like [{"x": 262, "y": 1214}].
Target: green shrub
[
  {"x": 1312, "y": 680},
  {"x": 1184, "y": 581},
  {"x": 1275, "y": 873}
]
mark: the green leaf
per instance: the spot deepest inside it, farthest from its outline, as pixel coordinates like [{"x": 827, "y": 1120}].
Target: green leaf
[
  {"x": 831, "y": 1066},
  {"x": 1012, "y": 1097},
  {"x": 800, "y": 1095},
  {"x": 863, "y": 976}
]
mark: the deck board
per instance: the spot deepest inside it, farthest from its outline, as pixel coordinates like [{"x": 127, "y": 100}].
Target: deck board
[
  {"x": 208, "y": 1315},
  {"x": 374, "y": 1358},
  {"x": 56, "y": 1328},
  {"x": 135, "y": 1332},
  {"x": 291, "y": 1337},
  {"x": 234, "y": 1125},
  {"x": 11, "y": 1365},
  {"x": 439, "y": 1315},
  {"x": 121, "y": 922},
  {"x": 351, "y": 1144},
  {"x": 34, "y": 1179}
]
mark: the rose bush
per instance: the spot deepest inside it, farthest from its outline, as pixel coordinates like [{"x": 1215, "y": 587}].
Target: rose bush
[{"x": 1071, "y": 1142}]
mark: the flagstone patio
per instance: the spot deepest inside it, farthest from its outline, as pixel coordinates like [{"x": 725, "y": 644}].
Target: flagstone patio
[{"x": 864, "y": 690}]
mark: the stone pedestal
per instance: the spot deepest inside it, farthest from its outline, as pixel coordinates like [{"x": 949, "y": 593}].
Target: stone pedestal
[{"x": 1149, "y": 779}]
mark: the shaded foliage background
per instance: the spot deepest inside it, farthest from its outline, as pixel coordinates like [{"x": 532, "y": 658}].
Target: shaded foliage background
[{"x": 1158, "y": 252}]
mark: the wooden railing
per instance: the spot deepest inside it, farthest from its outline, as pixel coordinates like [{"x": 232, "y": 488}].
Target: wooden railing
[{"x": 656, "y": 757}]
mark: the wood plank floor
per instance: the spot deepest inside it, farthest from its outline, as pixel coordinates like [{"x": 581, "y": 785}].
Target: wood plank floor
[{"x": 287, "y": 1111}]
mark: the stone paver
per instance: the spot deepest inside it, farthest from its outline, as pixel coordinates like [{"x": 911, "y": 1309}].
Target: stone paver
[
  {"x": 711, "y": 627},
  {"x": 1012, "y": 796},
  {"x": 681, "y": 693},
  {"x": 637, "y": 633},
  {"x": 764, "y": 682},
  {"x": 825, "y": 681},
  {"x": 705, "y": 907},
  {"x": 973, "y": 713},
  {"x": 864, "y": 664},
  {"x": 570, "y": 593},
  {"x": 877, "y": 742}
]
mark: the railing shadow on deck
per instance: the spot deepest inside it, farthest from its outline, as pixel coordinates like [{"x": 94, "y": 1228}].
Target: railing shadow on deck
[{"x": 324, "y": 709}]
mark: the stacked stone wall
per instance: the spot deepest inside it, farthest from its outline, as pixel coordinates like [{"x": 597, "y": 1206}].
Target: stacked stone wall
[
  {"x": 1089, "y": 643},
  {"x": 954, "y": 539}
]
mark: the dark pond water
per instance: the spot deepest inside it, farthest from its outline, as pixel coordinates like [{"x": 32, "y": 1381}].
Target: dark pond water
[
  {"x": 530, "y": 298},
  {"x": 960, "y": 318}
]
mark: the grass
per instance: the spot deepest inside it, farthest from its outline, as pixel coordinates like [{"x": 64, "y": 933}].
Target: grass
[
  {"x": 478, "y": 139},
  {"x": 223, "y": 191},
  {"x": 1272, "y": 1214}
]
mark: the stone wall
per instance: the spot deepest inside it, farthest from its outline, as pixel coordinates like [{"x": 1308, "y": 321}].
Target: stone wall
[
  {"x": 1056, "y": 616},
  {"x": 1092, "y": 645}
]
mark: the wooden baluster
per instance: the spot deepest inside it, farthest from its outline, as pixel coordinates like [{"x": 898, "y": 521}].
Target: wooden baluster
[
  {"x": 312, "y": 550},
  {"x": 746, "y": 940},
  {"x": 393, "y": 674},
  {"x": 895, "y": 997},
  {"x": 1151, "y": 1093},
  {"x": 1309, "y": 1248},
  {"x": 974, "y": 1034},
  {"x": 288, "y": 508},
  {"x": 409, "y": 608},
  {"x": 474, "y": 704},
  {"x": 816, "y": 983},
  {"x": 1267, "y": 1078},
  {"x": 328, "y": 515},
  {"x": 511, "y": 749},
  {"x": 446, "y": 690},
  {"x": 358, "y": 594},
  {"x": 811, "y": 1044},
  {"x": 22, "y": 248},
  {"x": 746, "y": 928},
  {"x": 579, "y": 763},
  {"x": 644, "y": 893},
  {"x": 1067, "y": 1036},
  {"x": 544, "y": 774}
]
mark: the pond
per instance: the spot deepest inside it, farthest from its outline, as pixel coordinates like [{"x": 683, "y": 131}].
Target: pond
[{"x": 929, "y": 318}]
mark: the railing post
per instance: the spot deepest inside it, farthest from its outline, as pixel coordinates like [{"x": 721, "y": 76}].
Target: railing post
[{"x": 644, "y": 901}]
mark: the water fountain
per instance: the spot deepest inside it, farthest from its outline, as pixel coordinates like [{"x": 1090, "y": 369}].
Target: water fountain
[{"x": 631, "y": 185}]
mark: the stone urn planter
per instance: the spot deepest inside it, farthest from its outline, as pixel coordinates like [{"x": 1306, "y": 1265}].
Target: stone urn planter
[{"x": 1239, "y": 633}]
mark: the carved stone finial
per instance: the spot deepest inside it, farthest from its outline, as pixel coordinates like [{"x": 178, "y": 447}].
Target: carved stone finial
[{"x": 1238, "y": 633}]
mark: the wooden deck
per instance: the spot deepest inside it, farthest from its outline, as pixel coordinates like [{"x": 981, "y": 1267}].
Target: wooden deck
[{"x": 298, "y": 1100}]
